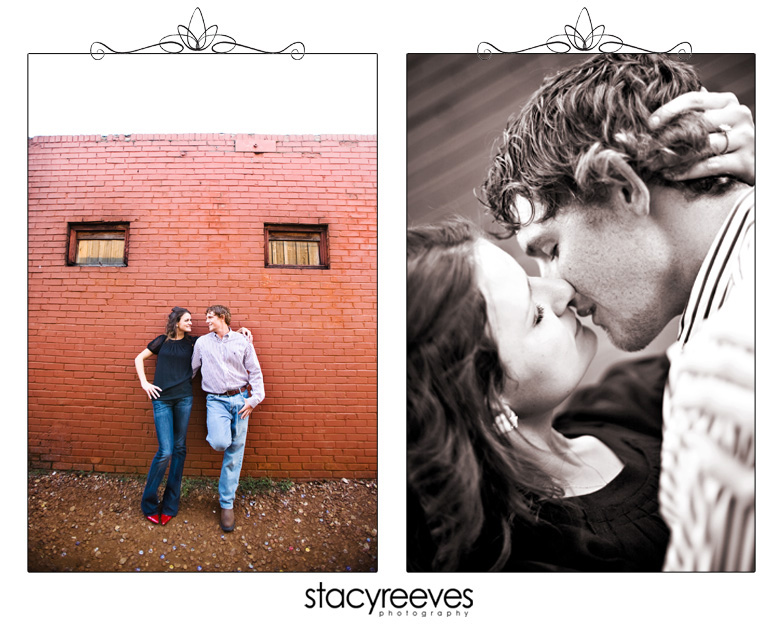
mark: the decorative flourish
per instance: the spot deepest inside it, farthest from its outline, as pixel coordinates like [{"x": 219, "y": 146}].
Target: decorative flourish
[
  {"x": 198, "y": 38},
  {"x": 583, "y": 37}
]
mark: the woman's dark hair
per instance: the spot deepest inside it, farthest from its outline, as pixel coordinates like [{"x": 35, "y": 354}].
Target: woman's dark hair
[
  {"x": 465, "y": 476},
  {"x": 174, "y": 319}
]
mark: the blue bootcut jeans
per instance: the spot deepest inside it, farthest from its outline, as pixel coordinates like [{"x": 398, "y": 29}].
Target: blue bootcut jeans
[
  {"x": 226, "y": 432},
  {"x": 171, "y": 426}
]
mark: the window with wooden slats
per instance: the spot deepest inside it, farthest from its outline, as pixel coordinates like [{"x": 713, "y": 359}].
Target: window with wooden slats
[
  {"x": 297, "y": 245},
  {"x": 98, "y": 244}
]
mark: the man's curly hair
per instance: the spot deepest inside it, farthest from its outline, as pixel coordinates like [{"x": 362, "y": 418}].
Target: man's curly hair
[{"x": 561, "y": 146}]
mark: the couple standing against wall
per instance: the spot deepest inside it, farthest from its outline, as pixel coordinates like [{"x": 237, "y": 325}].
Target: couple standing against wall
[{"x": 232, "y": 379}]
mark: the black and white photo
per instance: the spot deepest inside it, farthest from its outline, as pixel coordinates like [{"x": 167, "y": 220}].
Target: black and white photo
[{"x": 629, "y": 180}]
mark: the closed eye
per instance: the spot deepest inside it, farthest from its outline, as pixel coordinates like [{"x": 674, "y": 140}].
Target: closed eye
[
  {"x": 540, "y": 250},
  {"x": 539, "y": 314}
]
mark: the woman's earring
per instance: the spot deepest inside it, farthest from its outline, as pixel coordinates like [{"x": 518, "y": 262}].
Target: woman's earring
[{"x": 506, "y": 421}]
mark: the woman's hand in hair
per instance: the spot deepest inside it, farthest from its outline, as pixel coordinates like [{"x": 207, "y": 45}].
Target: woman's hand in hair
[{"x": 731, "y": 136}]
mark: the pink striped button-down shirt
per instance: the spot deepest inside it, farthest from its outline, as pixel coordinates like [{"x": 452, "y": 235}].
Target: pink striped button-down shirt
[{"x": 228, "y": 364}]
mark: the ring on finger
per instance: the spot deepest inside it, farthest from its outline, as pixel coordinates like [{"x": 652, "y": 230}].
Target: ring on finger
[{"x": 724, "y": 129}]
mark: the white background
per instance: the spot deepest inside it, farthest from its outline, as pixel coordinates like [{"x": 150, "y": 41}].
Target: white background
[
  {"x": 391, "y": 30},
  {"x": 202, "y": 93}
]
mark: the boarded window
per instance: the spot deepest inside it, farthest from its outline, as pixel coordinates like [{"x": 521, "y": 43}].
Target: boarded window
[
  {"x": 297, "y": 245},
  {"x": 98, "y": 244}
]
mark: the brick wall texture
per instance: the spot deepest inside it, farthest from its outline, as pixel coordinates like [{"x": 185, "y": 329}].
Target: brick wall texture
[{"x": 197, "y": 205}]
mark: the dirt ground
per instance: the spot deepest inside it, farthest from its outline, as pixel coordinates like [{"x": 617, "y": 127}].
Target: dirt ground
[{"x": 93, "y": 522}]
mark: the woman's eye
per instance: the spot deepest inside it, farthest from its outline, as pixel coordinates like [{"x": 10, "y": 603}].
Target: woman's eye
[{"x": 539, "y": 314}]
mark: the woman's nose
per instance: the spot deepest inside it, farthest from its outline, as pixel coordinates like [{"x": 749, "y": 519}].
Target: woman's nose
[{"x": 556, "y": 293}]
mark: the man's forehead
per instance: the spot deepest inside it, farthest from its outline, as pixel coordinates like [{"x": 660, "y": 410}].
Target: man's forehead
[
  {"x": 526, "y": 210},
  {"x": 527, "y": 214},
  {"x": 534, "y": 212},
  {"x": 531, "y": 238}
]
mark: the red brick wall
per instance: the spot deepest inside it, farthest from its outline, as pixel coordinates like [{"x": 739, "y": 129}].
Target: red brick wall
[{"x": 197, "y": 205}]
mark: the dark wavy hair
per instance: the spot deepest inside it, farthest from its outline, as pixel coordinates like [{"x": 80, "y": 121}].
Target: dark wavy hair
[
  {"x": 558, "y": 149},
  {"x": 174, "y": 319},
  {"x": 463, "y": 474}
]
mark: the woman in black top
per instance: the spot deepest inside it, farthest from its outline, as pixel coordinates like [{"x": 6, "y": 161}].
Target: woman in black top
[
  {"x": 495, "y": 480},
  {"x": 172, "y": 399},
  {"x": 486, "y": 344}
]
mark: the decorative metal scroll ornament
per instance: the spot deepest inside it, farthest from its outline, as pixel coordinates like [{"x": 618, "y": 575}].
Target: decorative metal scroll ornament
[
  {"x": 583, "y": 37},
  {"x": 198, "y": 38}
]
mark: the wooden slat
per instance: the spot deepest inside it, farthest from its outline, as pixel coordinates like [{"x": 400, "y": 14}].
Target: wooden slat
[
  {"x": 295, "y": 253},
  {"x": 100, "y": 252},
  {"x": 313, "y": 253},
  {"x": 294, "y": 235},
  {"x": 301, "y": 253}
]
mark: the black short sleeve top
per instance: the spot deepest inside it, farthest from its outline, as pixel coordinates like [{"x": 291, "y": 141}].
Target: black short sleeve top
[
  {"x": 173, "y": 371},
  {"x": 617, "y": 528}
]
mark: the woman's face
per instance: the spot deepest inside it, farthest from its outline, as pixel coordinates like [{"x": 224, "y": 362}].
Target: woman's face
[
  {"x": 185, "y": 323},
  {"x": 542, "y": 344}
]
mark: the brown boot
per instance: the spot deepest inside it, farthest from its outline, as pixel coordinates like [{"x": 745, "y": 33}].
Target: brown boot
[{"x": 227, "y": 519}]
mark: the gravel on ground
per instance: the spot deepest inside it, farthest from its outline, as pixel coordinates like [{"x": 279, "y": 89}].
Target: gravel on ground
[{"x": 92, "y": 522}]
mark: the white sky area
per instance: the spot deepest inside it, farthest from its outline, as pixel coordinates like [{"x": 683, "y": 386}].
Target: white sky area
[{"x": 319, "y": 94}]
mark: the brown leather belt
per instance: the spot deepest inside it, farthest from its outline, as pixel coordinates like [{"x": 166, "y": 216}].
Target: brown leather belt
[{"x": 247, "y": 388}]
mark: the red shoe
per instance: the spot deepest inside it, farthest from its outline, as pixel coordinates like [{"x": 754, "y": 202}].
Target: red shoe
[
  {"x": 165, "y": 518},
  {"x": 153, "y": 518}
]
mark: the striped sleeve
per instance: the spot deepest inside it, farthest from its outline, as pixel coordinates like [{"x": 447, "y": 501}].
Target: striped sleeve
[
  {"x": 730, "y": 261},
  {"x": 256, "y": 379},
  {"x": 711, "y": 521}
]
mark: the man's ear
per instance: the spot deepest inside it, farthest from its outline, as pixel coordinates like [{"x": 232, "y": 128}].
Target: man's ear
[{"x": 628, "y": 191}]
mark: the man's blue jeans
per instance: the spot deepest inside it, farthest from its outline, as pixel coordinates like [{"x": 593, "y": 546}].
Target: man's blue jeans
[
  {"x": 171, "y": 425},
  {"x": 226, "y": 432}
]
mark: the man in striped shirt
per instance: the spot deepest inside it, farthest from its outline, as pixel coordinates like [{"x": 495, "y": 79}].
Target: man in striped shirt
[
  {"x": 603, "y": 197},
  {"x": 231, "y": 377},
  {"x": 707, "y": 480}
]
